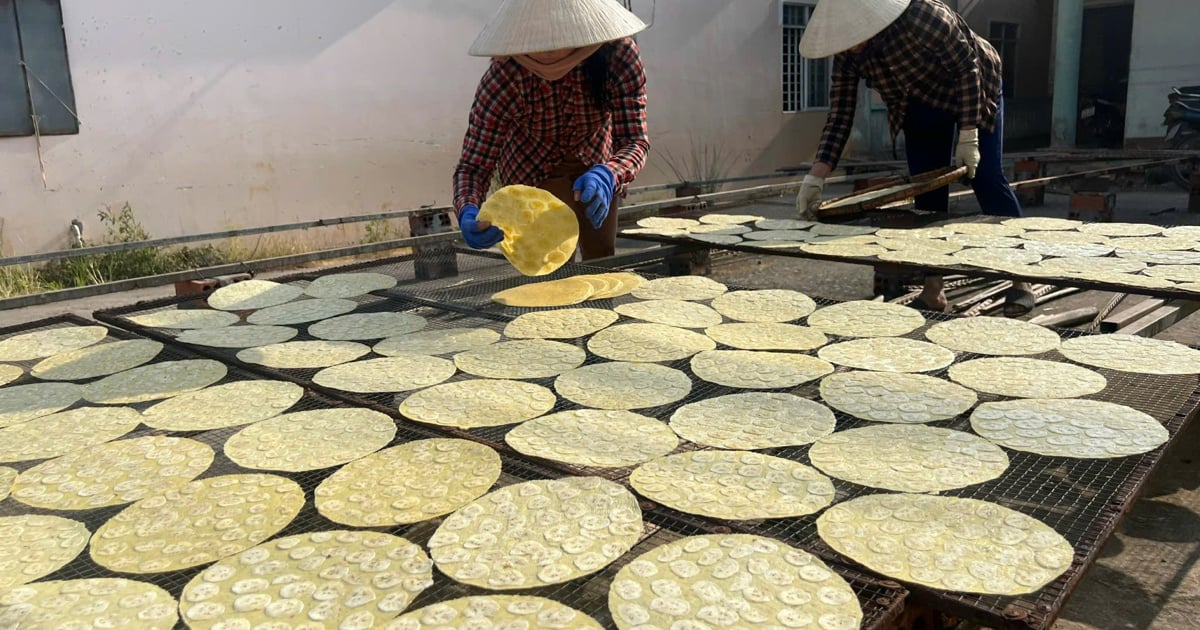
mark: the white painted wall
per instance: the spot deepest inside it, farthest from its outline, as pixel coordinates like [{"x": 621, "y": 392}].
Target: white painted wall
[
  {"x": 1166, "y": 53},
  {"x": 226, "y": 113}
]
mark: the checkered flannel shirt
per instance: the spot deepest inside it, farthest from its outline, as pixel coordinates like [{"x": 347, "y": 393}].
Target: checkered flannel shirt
[
  {"x": 522, "y": 126},
  {"x": 929, "y": 54}
]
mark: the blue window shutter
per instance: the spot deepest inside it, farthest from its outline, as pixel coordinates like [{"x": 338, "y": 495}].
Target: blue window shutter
[
  {"x": 14, "y": 97},
  {"x": 44, "y": 45}
]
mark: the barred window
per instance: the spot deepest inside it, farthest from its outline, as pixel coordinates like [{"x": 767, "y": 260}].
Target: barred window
[{"x": 805, "y": 81}]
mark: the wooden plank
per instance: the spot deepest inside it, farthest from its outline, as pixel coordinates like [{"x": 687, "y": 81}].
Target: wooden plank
[
  {"x": 1066, "y": 318},
  {"x": 1161, "y": 318},
  {"x": 1125, "y": 316}
]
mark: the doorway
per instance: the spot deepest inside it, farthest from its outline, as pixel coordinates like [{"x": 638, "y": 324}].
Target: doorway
[{"x": 1104, "y": 75}]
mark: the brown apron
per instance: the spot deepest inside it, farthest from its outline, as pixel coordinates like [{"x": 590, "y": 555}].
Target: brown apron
[{"x": 593, "y": 243}]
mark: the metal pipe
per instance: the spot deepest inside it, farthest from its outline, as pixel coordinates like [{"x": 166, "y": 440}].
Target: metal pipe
[{"x": 1068, "y": 39}]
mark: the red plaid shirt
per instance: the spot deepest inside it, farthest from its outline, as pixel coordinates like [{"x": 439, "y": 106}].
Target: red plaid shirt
[
  {"x": 928, "y": 54},
  {"x": 522, "y": 126}
]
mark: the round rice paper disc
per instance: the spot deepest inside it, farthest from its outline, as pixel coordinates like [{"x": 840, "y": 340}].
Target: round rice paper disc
[
  {"x": 897, "y": 398},
  {"x": 1042, "y": 223},
  {"x": 1153, "y": 243},
  {"x": 977, "y": 240},
  {"x": 591, "y": 437},
  {"x": 721, "y": 229},
  {"x": 437, "y": 341},
  {"x": 1063, "y": 238},
  {"x": 569, "y": 323},
  {"x": 837, "y": 229},
  {"x": 1131, "y": 353},
  {"x": 664, "y": 231},
  {"x": 540, "y": 231},
  {"x": 310, "y": 440},
  {"x": 346, "y": 579},
  {"x": 65, "y": 432},
  {"x": 563, "y": 292},
  {"x": 887, "y": 354},
  {"x": 204, "y": 521},
  {"x": 34, "y": 546},
  {"x": 733, "y": 485},
  {"x": 618, "y": 283},
  {"x": 1027, "y": 378},
  {"x": 10, "y": 373},
  {"x": 766, "y": 305},
  {"x": 1068, "y": 250},
  {"x": 252, "y": 294},
  {"x": 908, "y": 458},
  {"x": 389, "y": 374},
  {"x": 227, "y": 405},
  {"x": 716, "y": 239},
  {"x": 729, "y": 219},
  {"x": 731, "y": 580},
  {"x": 1161, "y": 258},
  {"x": 301, "y": 311},
  {"x": 863, "y": 318},
  {"x": 1175, "y": 273},
  {"x": 360, "y": 326},
  {"x": 991, "y": 257},
  {"x": 98, "y": 360},
  {"x": 747, "y": 369},
  {"x": 987, "y": 229},
  {"x": 495, "y": 611},
  {"x": 1083, "y": 429},
  {"x": 537, "y": 533},
  {"x": 667, "y": 223},
  {"x": 1084, "y": 264},
  {"x": 752, "y": 421},
  {"x": 947, "y": 543},
  {"x": 747, "y": 336},
  {"x": 296, "y": 355},
  {"x": 924, "y": 245},
  {"x": 621, "y": 385},
  {"x": 88, "y": 603},
  {"x": 779, "y": 235},
  {"x": 929, "y": 232},
  {"x": 918, "y": 257},
  {"x": 155, "y": 382},
  {"x": 186, "y": 319},
  {"x": 843, "y": 250},
  {"x": 1125, "y": 279},
  {"x": 688, "y": 288},
  {"x": 523, "y": 359},
  {"x": 22, "y": 403},
  {"x": 410, "y": 483},
  {"x": 770, "y": 244},
  {"x": 478, "y": 403},
  {"x": 1121, "y": 229},
  {"x": 648, "y": 343},
  {"x": 348, "y": 285},
  {"x": 783, "y": 224},
  {"x": 44, "y": 343},
  {"x": 115, "y": 473},
  {"x": 7, "y": 477},
  {"x": 1183, "y": 231},
  {"x": 993, "y": 335},
  {"x": 248, "y": 336},
  {"x": 677, "y": 313}
]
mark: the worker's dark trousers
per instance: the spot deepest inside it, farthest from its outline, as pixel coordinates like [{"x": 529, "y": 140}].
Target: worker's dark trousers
[{"x": 930, "y": 139}]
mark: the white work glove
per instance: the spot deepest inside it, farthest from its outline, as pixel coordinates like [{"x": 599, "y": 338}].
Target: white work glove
[
  {"x": 968, "y": 151},
  {"x": 809, "y": 199}
]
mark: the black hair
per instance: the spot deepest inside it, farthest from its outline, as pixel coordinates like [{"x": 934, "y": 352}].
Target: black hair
[{"x": 596, "y": 74}]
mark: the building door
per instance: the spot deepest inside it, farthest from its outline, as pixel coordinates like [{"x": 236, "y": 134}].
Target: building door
[{"x": 1104, "y": 75}]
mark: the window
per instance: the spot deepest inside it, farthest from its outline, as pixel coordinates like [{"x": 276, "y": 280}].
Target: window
[
  {"x": 805, "y": 81},
  {"x": 35, "y": 80},
  {"x": 1003, "y": 36}
]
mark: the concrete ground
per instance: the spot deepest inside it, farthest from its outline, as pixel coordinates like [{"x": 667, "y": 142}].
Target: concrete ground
[{"x": 1147, "y": 575}]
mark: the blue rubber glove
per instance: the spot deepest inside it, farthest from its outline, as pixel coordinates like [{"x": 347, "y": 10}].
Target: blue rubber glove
[
  {"x": 477, "y": 238},
  {"x": 595, "y": 188}
]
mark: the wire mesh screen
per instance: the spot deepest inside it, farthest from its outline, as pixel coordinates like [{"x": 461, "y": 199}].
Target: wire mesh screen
[
  {"x": 881, "y": 601},
  {"x": 1081, "y": 499}
]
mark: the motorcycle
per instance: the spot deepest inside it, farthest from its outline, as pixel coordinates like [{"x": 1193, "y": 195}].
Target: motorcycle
[
  {"x": 1104, "y": 120},
  {"x": 1182, "y": 120}
]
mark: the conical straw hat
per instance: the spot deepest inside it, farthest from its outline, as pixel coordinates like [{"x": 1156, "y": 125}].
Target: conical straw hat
[
  {"x": 522, "y": 27},
  {"x": 839, "y": 25}
]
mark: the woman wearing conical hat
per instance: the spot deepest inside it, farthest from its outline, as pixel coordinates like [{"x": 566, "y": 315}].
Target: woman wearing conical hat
[
  {"x": 561, "y": 107},
  {"x": 942, "y": 86}
]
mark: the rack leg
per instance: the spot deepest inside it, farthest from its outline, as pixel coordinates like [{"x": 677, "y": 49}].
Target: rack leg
[{"x": 433, "y": 260}]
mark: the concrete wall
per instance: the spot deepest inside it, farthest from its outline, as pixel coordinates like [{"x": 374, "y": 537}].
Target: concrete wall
[
  {"x": 1166, "y": 53},
  {"x": 227, "y": 113}
]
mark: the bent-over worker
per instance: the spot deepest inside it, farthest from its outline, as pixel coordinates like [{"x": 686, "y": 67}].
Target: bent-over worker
[
  {"x": 561, "y": 107},
  {"x": 936, "y": 76}
]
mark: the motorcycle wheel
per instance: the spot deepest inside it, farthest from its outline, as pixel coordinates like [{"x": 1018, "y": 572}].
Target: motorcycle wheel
[{"x": 1181, "y": 172}]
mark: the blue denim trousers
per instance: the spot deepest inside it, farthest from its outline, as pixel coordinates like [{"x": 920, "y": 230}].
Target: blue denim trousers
[{"x": 930, "y": 139}]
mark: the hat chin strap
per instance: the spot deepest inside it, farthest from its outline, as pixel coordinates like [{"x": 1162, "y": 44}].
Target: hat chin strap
[{"x": 558, "y": 69}]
